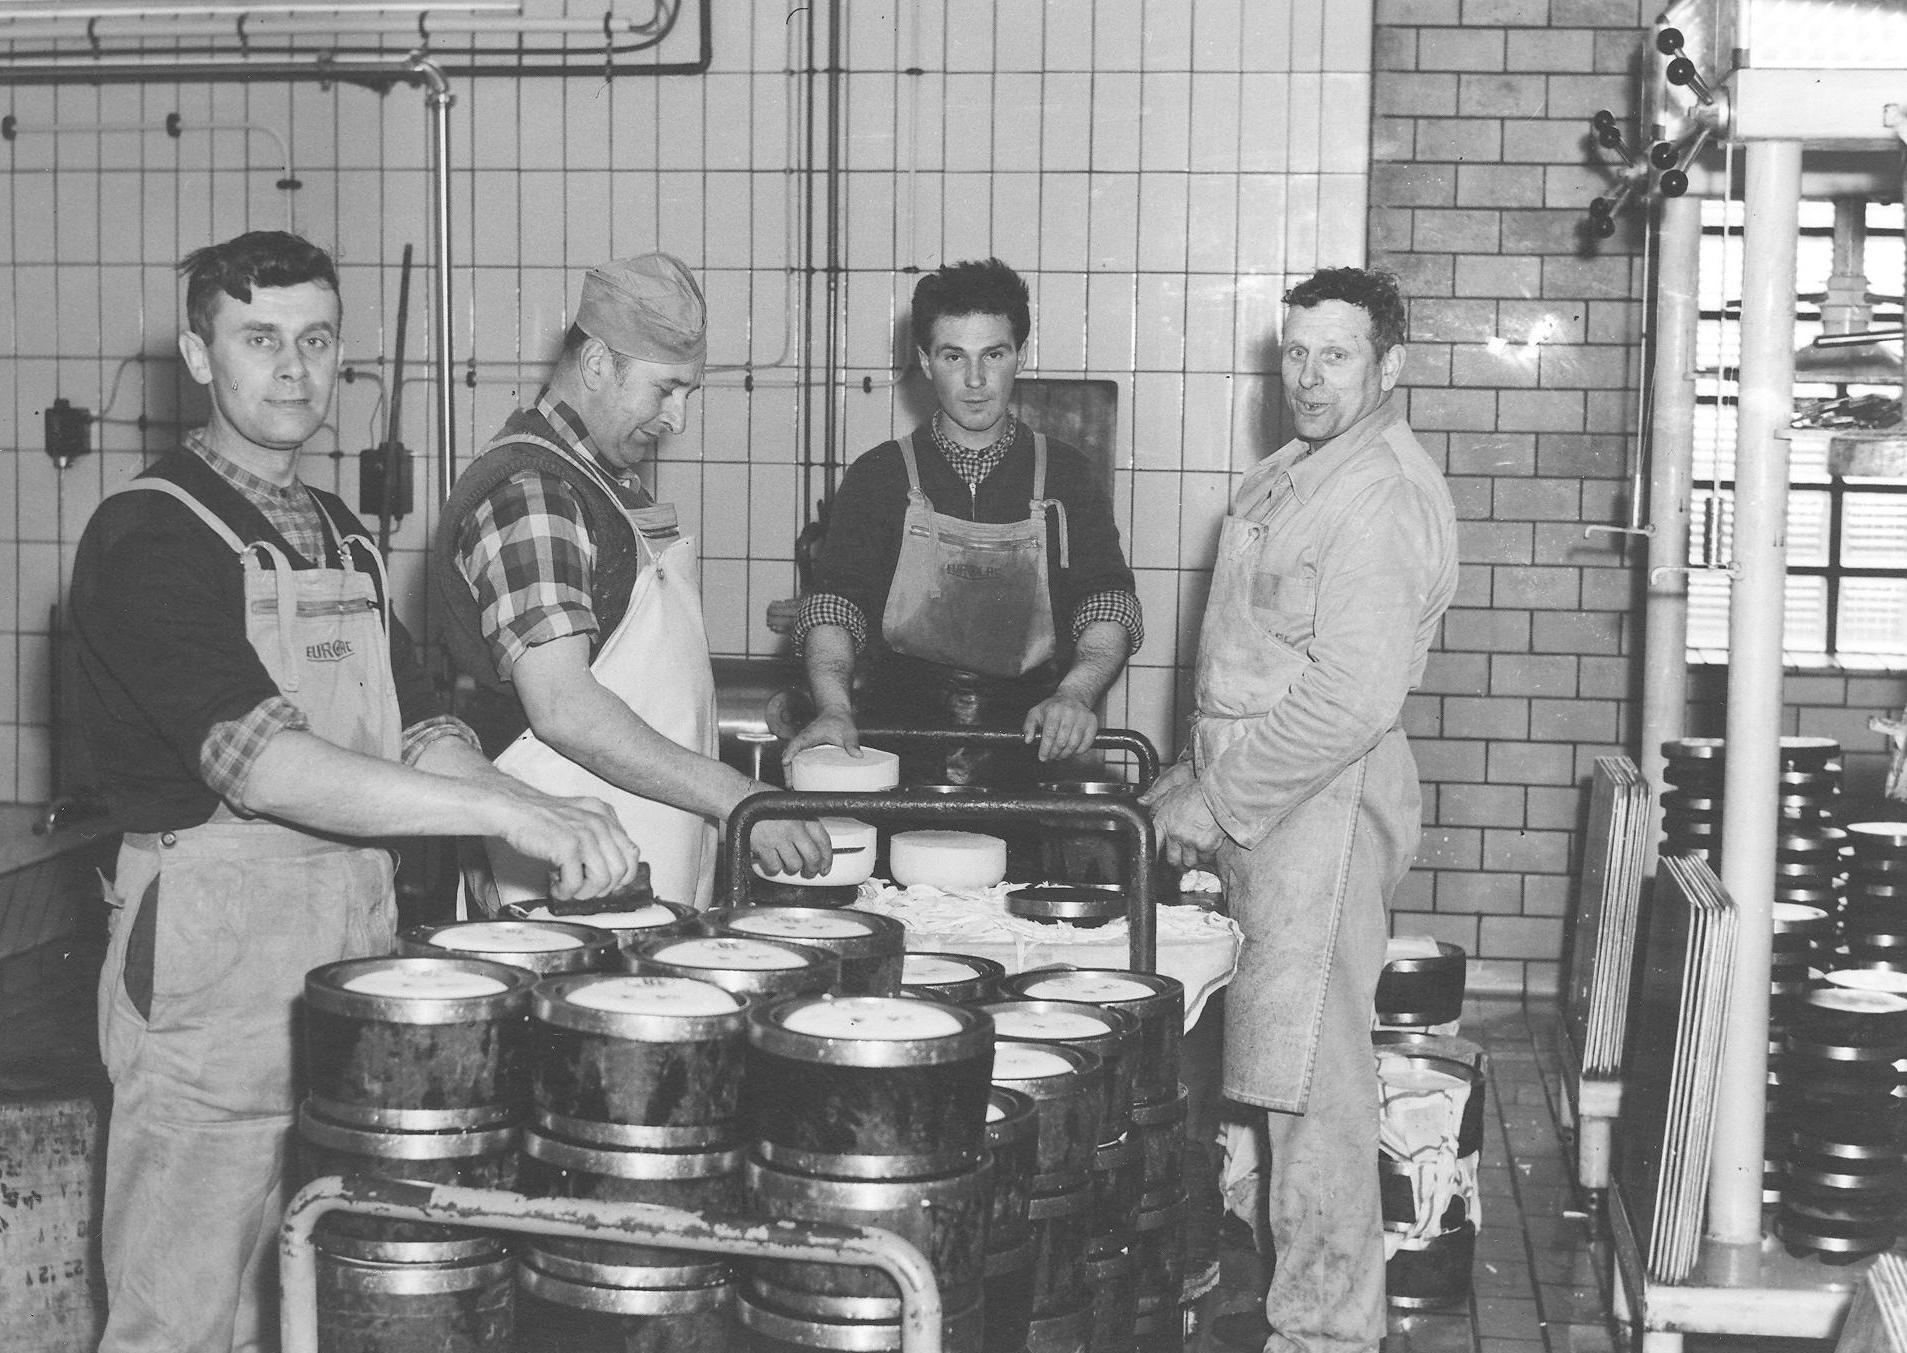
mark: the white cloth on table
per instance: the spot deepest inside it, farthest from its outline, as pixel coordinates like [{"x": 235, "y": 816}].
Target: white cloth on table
[{"x": 1197, "y": 947}]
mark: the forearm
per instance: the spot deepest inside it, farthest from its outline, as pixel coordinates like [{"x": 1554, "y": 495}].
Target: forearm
[
  {"x": 600, "y": 733},
  {"x": 301, "y": 779},
  {"x": 829, "y": 657},
  {"x": 1098, "y": 656}
]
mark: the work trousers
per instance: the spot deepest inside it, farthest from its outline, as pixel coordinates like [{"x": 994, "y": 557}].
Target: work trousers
[
  {"x": 1311, "y": 899},
  {"x": 213, "y": 931}
]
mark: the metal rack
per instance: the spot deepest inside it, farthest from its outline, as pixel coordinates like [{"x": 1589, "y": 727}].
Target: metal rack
[
  {"x": 1134, "y": 826},
  {"x": 637, "y": 1223}
]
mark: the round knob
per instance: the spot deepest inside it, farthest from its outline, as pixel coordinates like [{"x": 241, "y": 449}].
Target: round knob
[
  {"x": 1604, "y": 226},
  {"x": 1601, "y": 209},
  {"x": 1673, "y": 183},
  {"x": 1663, "y": 155},
  {"x": 1669, "y": 41}
]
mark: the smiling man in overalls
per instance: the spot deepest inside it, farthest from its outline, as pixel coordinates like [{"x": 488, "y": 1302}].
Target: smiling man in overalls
[
  {"x": 974, "y": 566},
  {"x": 574, "y": 602},
  {"x": 1334, "y": 568},
  {"x": 258, "y": 724}
]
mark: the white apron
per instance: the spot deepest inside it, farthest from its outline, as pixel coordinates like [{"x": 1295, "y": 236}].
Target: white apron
[{"x": 657, "y": 663}]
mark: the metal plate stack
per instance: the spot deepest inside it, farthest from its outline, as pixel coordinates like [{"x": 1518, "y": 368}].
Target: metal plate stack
[
  {"x": 1841, "y": 1194},
  {"x": 1802, "y": 945},
  {"x": 1874, "y": 920},
  {"x": 1607, "y": 917},
  {"x": 1808, "y": 850},
  {"x": 1692, "y": 806},
  {"x": 1668, "y": 1125}
]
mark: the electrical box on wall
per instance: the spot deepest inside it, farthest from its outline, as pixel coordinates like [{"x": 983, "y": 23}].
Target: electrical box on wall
[
  {"x": 69, "y": 432},
  {"x": 376, "y": 497}
]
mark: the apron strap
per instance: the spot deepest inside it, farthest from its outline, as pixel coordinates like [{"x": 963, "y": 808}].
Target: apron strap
[
  {"x": 1040, "y": 503},
  {"x": 185, "y": 495},
  {"x": 915, "y": 495},
  {"x": 604, "y": 482},
  {"x": 287, "y": 589}
]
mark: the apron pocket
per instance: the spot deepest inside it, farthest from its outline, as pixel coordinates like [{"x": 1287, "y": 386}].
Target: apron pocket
[
  {"x": 1284, "y": 606},
  {"x": 200, "y": 945},
  {"x": 136, "y": 972}
]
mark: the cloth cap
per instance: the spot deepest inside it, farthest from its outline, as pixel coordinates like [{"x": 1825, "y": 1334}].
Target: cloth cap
[{"x": 648, "y": 307}]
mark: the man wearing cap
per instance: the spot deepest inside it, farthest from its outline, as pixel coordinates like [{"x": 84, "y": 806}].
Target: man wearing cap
[{"x": 573, "y": 602}]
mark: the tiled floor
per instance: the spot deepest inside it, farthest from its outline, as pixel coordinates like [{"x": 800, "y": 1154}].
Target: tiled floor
[{"x": 1541, "y": 1279}]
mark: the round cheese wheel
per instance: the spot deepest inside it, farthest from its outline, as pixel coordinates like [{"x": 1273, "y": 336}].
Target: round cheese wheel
[
  {"x": 504, "y": 937},
  {"x": 830, "y": 770},
  {"x": 655, "y": 996},
  {"x": 425, "y": 980},
  {"x": 733, "y": 954},
  {"x": 946, "y": 859},
  {"x": 873, "y": 1017},
  {"x": 853, "y": 843},
  {"x": 1024, "y": 1062},
  {"x": 921, "y": 970},
  {"x": 1048, "y": 1026},
  {"x": 1093, "y": 988},
  {"x": 792, "y": 924}
]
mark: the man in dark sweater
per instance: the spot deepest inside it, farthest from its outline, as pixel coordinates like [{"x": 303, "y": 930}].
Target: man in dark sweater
[
  {"x": 974, "y": 566},
  {"x": 258, "y": 727}
]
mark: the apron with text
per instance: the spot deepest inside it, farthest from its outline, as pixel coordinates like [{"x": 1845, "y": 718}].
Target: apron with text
[
  {"x": 657, "y": 663},
  {"x": 973, "y": 595},
  {"x": 213, "y": 929}
]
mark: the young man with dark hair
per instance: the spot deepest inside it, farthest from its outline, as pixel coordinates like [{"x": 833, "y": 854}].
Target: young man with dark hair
[
  {"x": 259, "y": 727},
  {"x": 974, "y": 566},
  {"x": 1334, "y": 568}
]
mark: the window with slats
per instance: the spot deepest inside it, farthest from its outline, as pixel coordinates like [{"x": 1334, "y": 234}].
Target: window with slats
[{"x": 1846, "y": 598}]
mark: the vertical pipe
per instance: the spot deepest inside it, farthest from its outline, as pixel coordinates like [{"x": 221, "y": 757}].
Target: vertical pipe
[
  {"x": 1671, "y": 457},
  {"x": 439, "y": 100},
  {"x": 1755, "y": 617}
]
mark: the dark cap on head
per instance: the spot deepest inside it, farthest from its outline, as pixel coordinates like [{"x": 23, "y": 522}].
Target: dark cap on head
[{"x": 648, "y": 307}]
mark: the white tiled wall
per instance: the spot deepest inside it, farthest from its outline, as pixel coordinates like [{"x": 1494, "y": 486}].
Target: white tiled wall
[{"x": 1156, "y": 168}]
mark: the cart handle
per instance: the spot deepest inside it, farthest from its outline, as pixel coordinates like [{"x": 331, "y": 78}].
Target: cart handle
[{"x": 1134, "y": 826}]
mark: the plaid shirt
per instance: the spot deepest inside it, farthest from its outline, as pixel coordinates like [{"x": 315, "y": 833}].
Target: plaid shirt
[
  {"x": 231, "y": 749},
  {"x": 525, "y": 550},
  {"x": 970, "y": 464}
]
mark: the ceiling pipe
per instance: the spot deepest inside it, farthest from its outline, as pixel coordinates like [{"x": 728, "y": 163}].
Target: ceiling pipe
[
  {"x": 411, "y": 69},
  {"x": 263, "y": 40}
]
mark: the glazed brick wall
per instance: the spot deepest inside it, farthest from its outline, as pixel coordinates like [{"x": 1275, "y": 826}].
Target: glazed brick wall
[{"x": 1522, "y": 378}]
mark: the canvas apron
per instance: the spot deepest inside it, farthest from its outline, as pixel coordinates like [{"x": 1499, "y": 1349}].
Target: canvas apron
[
  {"x": 213, "y": 929},
  {"x": 657, "y": 663},
  {"x": 973, "y": 595},
  {"x": 1277, "y": 1000}
]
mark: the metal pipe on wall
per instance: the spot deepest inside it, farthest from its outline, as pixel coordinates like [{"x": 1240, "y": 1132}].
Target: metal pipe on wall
[
  {"x": 1755, "y": 614},
  {"x": 412, "y": 68},
  {"x": 1671, "y": 455}
]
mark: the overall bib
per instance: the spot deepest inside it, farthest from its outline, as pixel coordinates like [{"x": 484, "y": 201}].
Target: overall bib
[
  {"x": 1310, "y": 900},
  {"x": 213, "y": 929},
  {"x": 970, "y": 612},
  {"x": 657, "y": 663}
]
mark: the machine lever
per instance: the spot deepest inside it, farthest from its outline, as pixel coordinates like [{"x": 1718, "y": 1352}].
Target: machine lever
[
  {"x": 1681, "y": 70},
  {"x": 1609, "y": 135}
]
